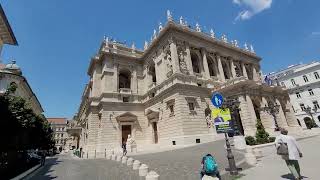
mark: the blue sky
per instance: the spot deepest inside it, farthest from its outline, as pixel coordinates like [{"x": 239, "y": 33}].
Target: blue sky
[{"x": 58, "y": 37}]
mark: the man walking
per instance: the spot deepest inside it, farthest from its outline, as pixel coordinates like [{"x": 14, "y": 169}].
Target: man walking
[
  {"x": 124, "y": 147},
  {"x": 288, "y": 148}
]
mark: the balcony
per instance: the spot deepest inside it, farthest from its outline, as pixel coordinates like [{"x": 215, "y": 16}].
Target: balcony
[{"x": 125, "y": 91}]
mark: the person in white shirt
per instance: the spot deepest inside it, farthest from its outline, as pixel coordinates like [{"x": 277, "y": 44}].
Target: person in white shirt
[{"x": 293, "y": 152}]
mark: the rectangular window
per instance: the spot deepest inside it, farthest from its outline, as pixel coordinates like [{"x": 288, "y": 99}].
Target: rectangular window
[
  {"x": 61, "y": 135},
  {"x": 316, "y": 104},
  {"x": 305, "y": 78},
  {"x": 293, "y": 82},
  {"x": 316, "y": 75},
  {"x": 191, "y": 106},
  {"x": 302, "y": 106},
  {"x": 171, "y": 107},
  {"x": 310, "y": 92},
  {"x": 298, "y": 95}
]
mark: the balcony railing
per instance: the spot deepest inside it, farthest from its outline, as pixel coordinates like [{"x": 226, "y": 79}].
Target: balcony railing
[{"x": 125, "y": 91}]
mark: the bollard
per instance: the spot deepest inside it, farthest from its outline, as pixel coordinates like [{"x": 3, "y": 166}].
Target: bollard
[
  {"x": 87, "y": 155},
  {"x": 250, "y": 157},
  {"x": 105, "y": 153},
  {"x": 152, "y": 175},
  {"x": 143, "y": 170},
  {"x": 124, "y": 160},
  {"x": 113, "y": 157},
  {"x": 95, "y": 153},
  {"x": 130, "y": 162},
  {"x": 119, "y": 157},
  {"x": 136, "y": 165},
  {"x": 109, "y": 156}
]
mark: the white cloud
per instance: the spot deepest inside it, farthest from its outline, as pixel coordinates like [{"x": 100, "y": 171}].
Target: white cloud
[
  {"x": 315, "y": 33},
  {"x": 251, "y": 7}
]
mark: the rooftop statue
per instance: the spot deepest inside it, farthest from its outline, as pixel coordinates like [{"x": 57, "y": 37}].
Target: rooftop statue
[
  {"x": 198, "y": 27},
  {"x": 160, "y": 26},
  {"x": 212, "y": 34},
  {"x": 246, "y": 47},
  {"x": 145, "y": 45},
  {"x": 251, "y": 48},
  {"x": 181, "y": 20},
  {"x": 154, "y": 34},
  {"x": 224, "y": 38},
  {"x": 236, "y": 43},
  {"x": 169, "y": 16}
]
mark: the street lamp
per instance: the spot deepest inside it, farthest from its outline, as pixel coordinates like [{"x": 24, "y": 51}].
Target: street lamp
[
  {"x": 273, "y": 109},
  {"x": 308, "y": 110},
  {"x": 233, "y": 105}
]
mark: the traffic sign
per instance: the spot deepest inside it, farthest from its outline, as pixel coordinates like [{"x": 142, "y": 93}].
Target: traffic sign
[{"x": 217, "y": 100}]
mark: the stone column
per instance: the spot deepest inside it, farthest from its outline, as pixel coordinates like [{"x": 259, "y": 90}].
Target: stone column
[
  {"x": 255, "y": 74},
  {"x": 247, "y": 114},
  {"x": 188, "y": 60},
  {"x": 233, "y": 70},
  {"x": 174, "y": 57},
  {"x": 266, "y": 118},
  {"x": 244, "y": 71},
  {"x": 205, "y": 64},
  {"x": 134, "y": 81},
  {"x": 221, "y": 72},
  {"x": 115, "y": 77},
  {"x": 281, "y": 119},
  {"x": 291, "y": 118}
]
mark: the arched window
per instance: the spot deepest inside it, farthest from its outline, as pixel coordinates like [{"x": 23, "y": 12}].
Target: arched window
[
  {"x": 124, "y": 79},
  {"x": 212, "y": 67},
  {"x": 195, "y": 63}
]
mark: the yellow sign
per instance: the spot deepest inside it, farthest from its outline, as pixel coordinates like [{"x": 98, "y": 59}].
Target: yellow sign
[
  {"x": 221, "y": 119},
  {"x": 224, "y": 113}
]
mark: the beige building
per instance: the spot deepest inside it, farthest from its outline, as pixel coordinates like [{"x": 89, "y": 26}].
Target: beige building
[
  {"x": 59, "y": 127},
  {"x": 161, "y": 95}
]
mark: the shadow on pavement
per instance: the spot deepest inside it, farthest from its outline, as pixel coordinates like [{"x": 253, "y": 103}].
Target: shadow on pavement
[
  {"x": 45, "y": 172},
  {"x": 290, "y": 176}
]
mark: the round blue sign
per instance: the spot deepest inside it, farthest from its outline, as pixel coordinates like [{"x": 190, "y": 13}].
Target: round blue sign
[{"x": 217, "y": 99}]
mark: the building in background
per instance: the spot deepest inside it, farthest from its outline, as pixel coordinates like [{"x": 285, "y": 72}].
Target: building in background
[
  {"x": 303, "y": 84},
  {"x": 160, "y": 96},
  {"x": 59, "y": 127}
]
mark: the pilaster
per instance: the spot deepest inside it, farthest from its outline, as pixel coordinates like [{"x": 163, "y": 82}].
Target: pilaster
[
  {"x": 205, "y": 64},
  {"x": 174, "y": 56},
  {"x": 233, "y": 70},
  {"x": 188, "y": 59},
  {"x": 115, "y": 77},
  {"x": 255, "y": 74},
  {"x": 134, "y": 81},
  {"x": 247, "y": 115},
  {"x": 221, "y": 72},
  {"x": 244, "y": 71}
]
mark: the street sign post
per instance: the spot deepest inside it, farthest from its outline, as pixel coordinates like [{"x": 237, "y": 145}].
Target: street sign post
[{"x": 217, "y": 100}]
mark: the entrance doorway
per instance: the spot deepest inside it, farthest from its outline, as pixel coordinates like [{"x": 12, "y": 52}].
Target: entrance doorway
[
  {"x": 155, "y": 132},
  {"x": 126, "y": 130}
]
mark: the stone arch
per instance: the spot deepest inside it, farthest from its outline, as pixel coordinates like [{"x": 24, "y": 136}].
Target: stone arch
[
  {"x": 308, "y": 122},
  {"x": 226, "y": 70},
  {"x": 249, "y": 71},
  {"x": 212, "y": 66},
  {"x": 238, "y": 69},
  {"x": 124, "y": 78},
  {"x": 256, "y": 102},
  {"x": 195, "y": 60}
]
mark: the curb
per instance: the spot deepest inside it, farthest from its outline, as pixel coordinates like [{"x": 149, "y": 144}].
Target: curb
[{"x": 28, "y": 173}]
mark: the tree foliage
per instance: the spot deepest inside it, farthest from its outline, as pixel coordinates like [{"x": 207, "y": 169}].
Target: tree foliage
[{"x": 21, "y": 128}]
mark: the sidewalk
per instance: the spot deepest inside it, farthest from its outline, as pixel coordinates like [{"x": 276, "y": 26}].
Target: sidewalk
[{"x": 273, "y": 167}]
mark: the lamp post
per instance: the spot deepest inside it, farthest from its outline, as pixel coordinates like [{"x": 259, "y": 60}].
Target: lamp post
[
  {"x": 273, "y": 109},
  {"x": 308, "y": 110},
  {"x": 233, "y": 105}
]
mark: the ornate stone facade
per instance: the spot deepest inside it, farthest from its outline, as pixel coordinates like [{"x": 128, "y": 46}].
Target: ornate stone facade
[{"x": 161, "y": 96}]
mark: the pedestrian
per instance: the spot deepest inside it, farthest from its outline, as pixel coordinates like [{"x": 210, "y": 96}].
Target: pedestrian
[
  {"x": 124, "y": 147},
  {"x": 209, "y": 167},
  {"x": 288, "y": 148},
  {"x": 43, "y": 157}
]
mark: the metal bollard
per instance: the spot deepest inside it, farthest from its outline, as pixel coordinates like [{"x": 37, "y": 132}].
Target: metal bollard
[
  {"x": 152, "y": 175},
  {"x": 143, "y": 170},
  {"x": 136, "y": 165}
]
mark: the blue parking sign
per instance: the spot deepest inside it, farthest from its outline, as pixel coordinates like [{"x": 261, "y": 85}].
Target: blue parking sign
[{"x": 217, "y": 100}]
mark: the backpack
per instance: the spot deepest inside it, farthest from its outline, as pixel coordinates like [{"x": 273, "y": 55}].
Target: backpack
[
  {"x": 210, "y": 165},
  {"x": 282, "y": 149}
]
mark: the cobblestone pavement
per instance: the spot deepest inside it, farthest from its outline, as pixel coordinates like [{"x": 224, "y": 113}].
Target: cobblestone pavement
[
  {"x": 64, "y": 167},
  {"x": 184, "y": 164}
]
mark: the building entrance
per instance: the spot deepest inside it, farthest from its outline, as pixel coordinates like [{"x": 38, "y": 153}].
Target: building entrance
[
  {"x": 155, "y": 132},
  {"x": 126, "y": 130}
]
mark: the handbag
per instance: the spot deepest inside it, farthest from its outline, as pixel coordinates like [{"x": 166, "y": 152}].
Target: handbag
[{"x": 282, "y": 149}]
